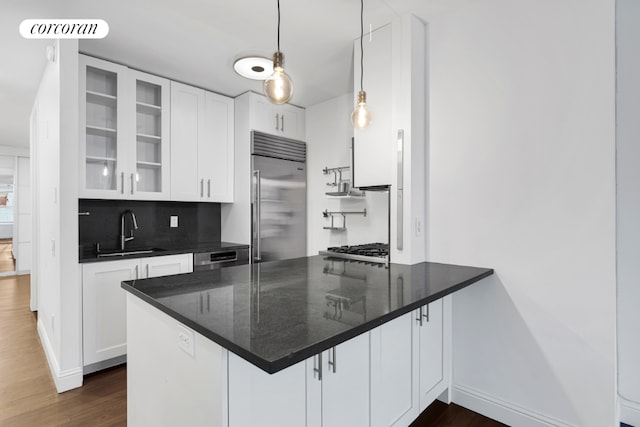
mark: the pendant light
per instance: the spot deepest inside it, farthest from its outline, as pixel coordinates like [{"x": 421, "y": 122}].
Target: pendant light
[
  {"x": 278, "y": 87},
  {"x": 361, "y": 116}
]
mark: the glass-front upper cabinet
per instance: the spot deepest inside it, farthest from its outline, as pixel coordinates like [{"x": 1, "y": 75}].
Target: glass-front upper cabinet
[
  {"x": 101, "y": 124},
  {"x": 152, "y": 151},
  {"x": 124, "y": 135}
]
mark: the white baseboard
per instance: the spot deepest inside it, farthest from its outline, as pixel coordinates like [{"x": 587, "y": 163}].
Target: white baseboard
[
  {"x": 64, "y": 380},
  {"x": 629, "y": 412},
  {"x": 501, "y": 410}
]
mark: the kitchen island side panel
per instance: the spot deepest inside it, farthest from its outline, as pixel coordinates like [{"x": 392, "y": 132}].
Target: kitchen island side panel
[{"x": 174, "y": 375}]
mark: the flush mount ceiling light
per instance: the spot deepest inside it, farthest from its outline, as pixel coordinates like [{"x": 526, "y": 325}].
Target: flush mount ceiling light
[
  {"x": 278, "y": 87},
  {"x": 254, "y": 67},
  {"x": 361, "y": 116}
]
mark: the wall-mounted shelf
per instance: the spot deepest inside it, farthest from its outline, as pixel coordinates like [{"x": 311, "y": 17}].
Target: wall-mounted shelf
[
  {"x": 332, "y": 215},
  {"x": 343, "y": 185}
]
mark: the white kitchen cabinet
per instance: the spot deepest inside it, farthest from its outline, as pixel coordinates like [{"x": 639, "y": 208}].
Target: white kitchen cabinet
[
  {"x": 103, "y": 128},
  {"x": 257, "y": 398},
  {"x": 394, "y": 370},
  {"x": 373, "y": 146},
  {"x": 104, "y": 301},
  {"x": 165, "y": 265},
  {"x": 150, "y": 173},
  {"x": 124, "y": 132},
  {"x": 283, "y": 120},
  {"x": 104, "y": 318},
  {"x": 431, "y": 344},
  {"x": 202, "y": 151},
  {"x": 340, "y": 394}
]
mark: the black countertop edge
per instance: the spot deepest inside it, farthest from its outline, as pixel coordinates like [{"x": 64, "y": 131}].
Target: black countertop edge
[
  {"x": 313, "y": 349},
  {"x": 209, "y": 247}
]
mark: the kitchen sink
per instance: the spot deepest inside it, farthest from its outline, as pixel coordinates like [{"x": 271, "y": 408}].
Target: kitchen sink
[{"x": 138, "y": 251}]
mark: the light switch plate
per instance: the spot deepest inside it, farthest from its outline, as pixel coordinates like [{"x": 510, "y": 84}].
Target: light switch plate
[
  {"x": 174, "y": 221},
  {"x": 185, "y": 340}
]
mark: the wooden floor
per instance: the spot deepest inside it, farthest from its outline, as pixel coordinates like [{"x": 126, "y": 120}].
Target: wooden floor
[
  {"x": 442, "y": 415},
  {"x": 28, "y": 395},
  {"x": 7, "y": 262}
]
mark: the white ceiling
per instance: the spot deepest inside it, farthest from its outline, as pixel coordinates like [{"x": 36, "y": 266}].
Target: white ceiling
[{"x": 197, "y": 41}]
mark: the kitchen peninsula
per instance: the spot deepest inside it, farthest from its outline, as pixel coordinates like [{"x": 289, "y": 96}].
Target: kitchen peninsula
[{"x": 295, "y": 342}]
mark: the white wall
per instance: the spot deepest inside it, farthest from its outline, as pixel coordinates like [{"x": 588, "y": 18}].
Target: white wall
[
  {"x": 328, "y": 146},
  {"x": 628, "y": 204},
  {"x": 55, "y": 154},
  {"x": 522, "y": 179}
]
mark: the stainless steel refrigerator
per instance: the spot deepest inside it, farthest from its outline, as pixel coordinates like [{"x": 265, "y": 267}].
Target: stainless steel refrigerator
[{"x": 278, "y": 198}]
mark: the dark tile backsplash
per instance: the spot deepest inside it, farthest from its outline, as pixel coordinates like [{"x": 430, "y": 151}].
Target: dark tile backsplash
[{"x": 197, "y": 223}]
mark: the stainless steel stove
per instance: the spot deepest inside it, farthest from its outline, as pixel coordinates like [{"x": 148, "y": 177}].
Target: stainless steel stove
[{"x": 369, "y": 252}]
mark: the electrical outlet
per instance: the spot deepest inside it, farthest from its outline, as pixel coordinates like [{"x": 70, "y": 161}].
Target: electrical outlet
[
  {"x": 418, "y": 223},
  {"x": 174, "y": 221},
  {"x": 185, "y": 340}
]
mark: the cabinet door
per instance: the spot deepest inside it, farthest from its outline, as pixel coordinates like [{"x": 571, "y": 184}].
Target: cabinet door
[
  {"x": 372, "y": 149},
  {"x": 345, "y": 384},
  {"x": 215, "y": 150},
  {"x": 264, "y": 115},
  {"x": 105, "y": 127},
  {"x": 394, "y": 389},
  {"x": 283, "y": 120},
  {"x": 187, "y": 112},
  {"x": 259, "y": 399},
  {"x": 166, "y": 265},
  {"x": 431, "y": 353},
  {"x": 104, "y": 317},
  {"x": 148, "y": 174},
  {"x": 292, "y": 122}
]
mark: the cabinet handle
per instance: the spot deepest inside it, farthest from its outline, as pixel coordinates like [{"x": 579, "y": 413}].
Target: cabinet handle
[
  {"x": 282, "y": 123},
  {"x": 122, "y": 180},
  {"x": 208, "y": 303},
  {"x": 137, "y": 272},
  {"x": 201, "y": 304},
  {"x": 209, "y": 187},
  {"x": 317, "y": 369},
  {"x": 277, "y": 118},
  {"x": 332, "y": 360},
  {"x": 132, "y": 183},
  {"x": 202, "y": 188},
  {"x": 419, "y": 318},
  {"x": 147, "y": 271},
  {"x": 426, "y": 316}
]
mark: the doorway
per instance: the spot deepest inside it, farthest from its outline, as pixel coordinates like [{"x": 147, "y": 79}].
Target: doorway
[{"x": 7, "y": 223}]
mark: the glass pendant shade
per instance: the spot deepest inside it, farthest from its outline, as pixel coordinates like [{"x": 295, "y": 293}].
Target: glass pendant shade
[
  {"x": 278, "y": 87},
  {"x": 361, "y": 116}
]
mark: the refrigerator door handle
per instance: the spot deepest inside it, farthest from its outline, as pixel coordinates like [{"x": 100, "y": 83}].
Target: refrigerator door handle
[{"x": 256, "y": 216}]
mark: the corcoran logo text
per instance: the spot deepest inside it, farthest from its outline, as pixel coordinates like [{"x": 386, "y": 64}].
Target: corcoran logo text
[{"x": 64, "y": 29}]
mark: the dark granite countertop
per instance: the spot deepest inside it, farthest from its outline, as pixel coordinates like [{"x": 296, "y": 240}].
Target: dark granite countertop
[
  {"x": 278, "y": 313},
  {"x": 89, "y": 254}
]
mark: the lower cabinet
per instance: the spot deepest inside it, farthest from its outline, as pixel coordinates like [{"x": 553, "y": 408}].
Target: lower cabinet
[
  {"x": 384, "y": 377},
  {"x": 407, "y": 371},
  {"x": 394, "y": 372},
  {"x": 338, "y": 385},
  {"x": 104, "y": 318},
  {"x": 330, "y": 389},
  {"x": 433, "y": 380}
]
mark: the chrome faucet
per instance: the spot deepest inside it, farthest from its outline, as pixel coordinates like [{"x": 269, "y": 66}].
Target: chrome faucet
[{"x": 124, "y": 239}]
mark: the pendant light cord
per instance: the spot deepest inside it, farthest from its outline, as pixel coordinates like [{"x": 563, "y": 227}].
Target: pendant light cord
[
  {"x": 278, "y": 25},
  {"x": 361, "y": 36}
]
